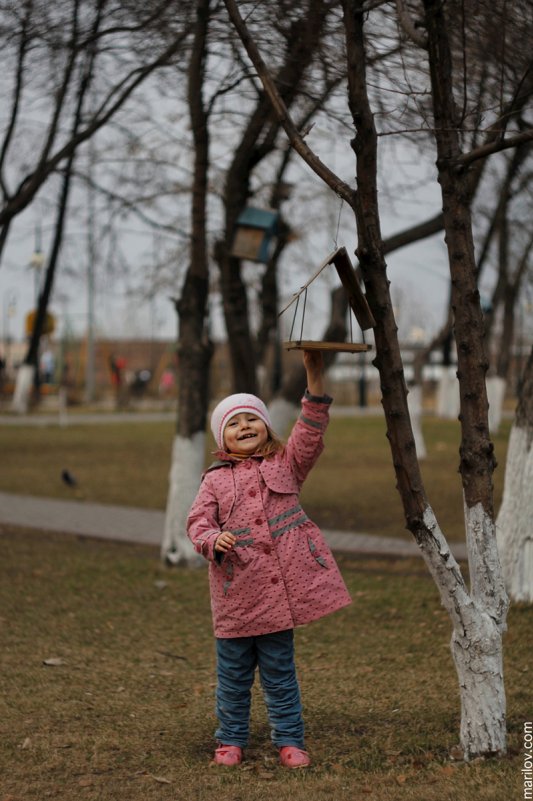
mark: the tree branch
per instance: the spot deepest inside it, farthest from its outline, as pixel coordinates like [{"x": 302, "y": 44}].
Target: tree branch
[
  {"x": 17, "y": 92},
  {"x": 494, "y": 147},
  {"x": 328, "y": 176},
  {"x": 31, "y": 183},
  {"x": 409, "y": 27}
]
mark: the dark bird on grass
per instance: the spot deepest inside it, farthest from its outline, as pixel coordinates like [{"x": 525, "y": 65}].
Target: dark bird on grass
[{"x": 68, "y": 478}]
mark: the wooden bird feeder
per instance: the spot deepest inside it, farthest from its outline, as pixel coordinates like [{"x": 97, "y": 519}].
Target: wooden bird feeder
[
  {"x": 356, "y": 299},
  {"x": 255, "y": 234}
]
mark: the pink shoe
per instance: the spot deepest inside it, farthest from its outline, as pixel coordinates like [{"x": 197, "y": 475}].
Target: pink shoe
[
  {"x": 292, "y": 757},
  {"x": 228, "y": 755}
]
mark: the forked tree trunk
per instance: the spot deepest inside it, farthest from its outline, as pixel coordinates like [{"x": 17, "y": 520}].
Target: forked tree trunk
[
  {"x": 478, "y": 615},
  {"x": 476, "y": 645},
  {"x": 514, "y": 525},
  {"x": 194, "y": 347}
]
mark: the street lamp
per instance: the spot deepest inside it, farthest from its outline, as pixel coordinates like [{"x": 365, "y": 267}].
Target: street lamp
[
  {"x": 36, "y": 263},
  {"x": 10, "y": 308}
]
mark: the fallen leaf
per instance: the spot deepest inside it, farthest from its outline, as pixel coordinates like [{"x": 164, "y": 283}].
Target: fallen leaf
[
  {"x": 265, "y": 774},
  {"x": 53, "y": 662},
  {"x": 448, "y": 770},
  {"x": 456, "y": 752},
  {"x": 401, "y": 779},
  {"x": 160, "y": 779},
  {"x": 85, "y": 782},
  {"x": 26, "y": 743}
]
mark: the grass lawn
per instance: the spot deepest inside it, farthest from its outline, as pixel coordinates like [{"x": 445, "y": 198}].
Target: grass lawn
[
  {"x": 351, "y": 488},
  {"x": 127, "y": 710}
]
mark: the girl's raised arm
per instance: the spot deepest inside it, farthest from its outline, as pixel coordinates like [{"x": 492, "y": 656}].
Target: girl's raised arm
[{"x": 314, "y": 367}]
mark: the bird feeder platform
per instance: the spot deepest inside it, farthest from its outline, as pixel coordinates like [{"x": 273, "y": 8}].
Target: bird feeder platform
[
  {"x": 334, "y": 347},
  {"x": 356, "y": 300}
]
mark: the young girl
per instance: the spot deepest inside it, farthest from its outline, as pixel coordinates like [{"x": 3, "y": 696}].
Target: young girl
[{"x": 270, "y": 568}]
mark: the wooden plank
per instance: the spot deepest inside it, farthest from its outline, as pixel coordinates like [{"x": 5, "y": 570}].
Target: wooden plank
[
  {"x": 356, "y": 297},
  {"x": 338, "y": 347}
]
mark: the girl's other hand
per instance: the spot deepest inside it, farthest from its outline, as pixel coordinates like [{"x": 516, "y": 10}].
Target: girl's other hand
[{"x": 225, "y": 542}]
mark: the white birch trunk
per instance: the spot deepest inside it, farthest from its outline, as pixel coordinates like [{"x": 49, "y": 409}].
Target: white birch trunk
[
  {"x": 448, "y": 394},
  {"x": 477, "y": 653},
  {"x": 184, "y": 480},
  {"x": 478, "y": 619},
  {"x": 495, "y": 394},
  {"x": 23, "y": 388},
  {"x": 514, "y": 525},
  {"x": 282, "y": 415},
  {"x": 414, "y": 402}
]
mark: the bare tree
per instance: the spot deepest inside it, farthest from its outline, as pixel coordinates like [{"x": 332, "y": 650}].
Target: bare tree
[
  {"x": 477, "y": 614},
  {"x": 49, "y": 47},
  {"x": 60, "y": 53},
  {"x": 194, "y": 346},
  {"x": 299, "y": 33}
]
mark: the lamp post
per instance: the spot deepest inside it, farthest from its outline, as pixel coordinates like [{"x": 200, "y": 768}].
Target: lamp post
[
  {"x": 10, "y": 308},
  {"x": 36, "y": 264}
]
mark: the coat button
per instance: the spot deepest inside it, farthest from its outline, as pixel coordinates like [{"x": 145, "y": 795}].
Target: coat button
[
  {"x": 274, "y": 580},
  {"x": 267, "y": 549},
  {"x": 251, "y": 493},
  {"x": 248, "y": 464},
  {"x": 258, "y": 521}
]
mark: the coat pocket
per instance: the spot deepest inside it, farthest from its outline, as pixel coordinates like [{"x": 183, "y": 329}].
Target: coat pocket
[{"x": 313, "y": 550}]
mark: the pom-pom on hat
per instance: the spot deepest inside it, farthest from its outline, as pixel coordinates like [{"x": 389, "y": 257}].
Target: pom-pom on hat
[{"x": 232, "y": 405}]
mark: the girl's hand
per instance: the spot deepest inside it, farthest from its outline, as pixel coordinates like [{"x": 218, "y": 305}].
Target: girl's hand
[
  {"x": 314, "y": 367},
  {"x": 225, "y": 542}
]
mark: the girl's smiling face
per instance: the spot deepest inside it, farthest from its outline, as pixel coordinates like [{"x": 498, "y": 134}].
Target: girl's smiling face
[{"x": 245, "y": 433}]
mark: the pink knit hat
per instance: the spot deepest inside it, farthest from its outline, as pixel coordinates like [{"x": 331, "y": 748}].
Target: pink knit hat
[{"x": 232, "y": 405}]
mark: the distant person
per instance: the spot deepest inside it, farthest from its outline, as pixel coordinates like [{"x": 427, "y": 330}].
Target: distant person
[
  {"x": 270, "y": 568},
  {"x": 167, "y": 383},
  {"x": 117, "y": 366}
]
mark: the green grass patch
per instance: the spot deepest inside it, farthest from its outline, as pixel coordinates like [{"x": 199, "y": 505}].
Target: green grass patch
[
  {"x": 351, "y": 488},
  {"x": 128, "y": 710}
]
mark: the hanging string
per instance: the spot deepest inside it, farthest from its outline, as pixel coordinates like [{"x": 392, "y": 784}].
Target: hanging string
[
  {"x": 338, "y": 225},
  {"x": 303, "y": 315},
  {"x": 295, "y": 314},
  {"x": 294, "y": 317}
]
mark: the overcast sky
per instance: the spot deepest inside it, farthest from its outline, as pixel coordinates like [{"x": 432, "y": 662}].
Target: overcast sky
[{"x": 407, "y": 195}]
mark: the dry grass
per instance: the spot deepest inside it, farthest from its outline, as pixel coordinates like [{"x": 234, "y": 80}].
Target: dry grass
[
  {"x": 352, "y": 487},
  {"x": 129, "y": 713}
]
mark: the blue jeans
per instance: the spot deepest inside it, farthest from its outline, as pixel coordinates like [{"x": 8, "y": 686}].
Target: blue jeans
[{"x": 237, "y": 658}]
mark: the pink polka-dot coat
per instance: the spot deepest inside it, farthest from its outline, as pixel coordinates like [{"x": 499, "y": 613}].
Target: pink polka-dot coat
[{"x": 280, "y": 573}]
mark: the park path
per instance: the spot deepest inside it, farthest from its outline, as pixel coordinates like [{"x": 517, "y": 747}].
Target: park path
[{"x": 145, "y": 526}]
